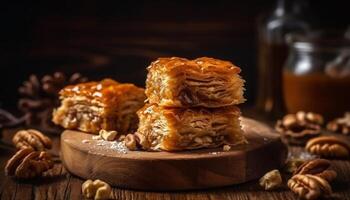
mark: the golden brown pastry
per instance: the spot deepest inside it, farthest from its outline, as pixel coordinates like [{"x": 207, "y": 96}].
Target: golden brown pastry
[
  {"x": 207, "y": 82},
  {"x": 174, "y": 129},
  {"x": 93, "y": 106}
]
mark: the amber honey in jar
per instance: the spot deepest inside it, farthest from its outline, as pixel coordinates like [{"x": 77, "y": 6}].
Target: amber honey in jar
[{"x": 316, "y": 76}]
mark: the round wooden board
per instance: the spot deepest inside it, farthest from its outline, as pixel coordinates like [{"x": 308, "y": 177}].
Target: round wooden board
[{"x": 195, "y": 169}]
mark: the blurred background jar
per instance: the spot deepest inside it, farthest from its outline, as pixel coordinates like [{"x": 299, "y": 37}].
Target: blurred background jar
[
  {"x": 316, "y": 76},
  {"x": 287, "y": 17}
]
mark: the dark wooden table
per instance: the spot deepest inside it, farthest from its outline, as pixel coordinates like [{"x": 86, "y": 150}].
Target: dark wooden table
[{"x": 59, "y": 184}]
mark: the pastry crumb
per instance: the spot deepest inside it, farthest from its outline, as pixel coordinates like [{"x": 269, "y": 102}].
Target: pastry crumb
[
  {"x": 85, "y": 141},
  {"x": 226, "y": 147},
  {"x": 96, "y": 137}
]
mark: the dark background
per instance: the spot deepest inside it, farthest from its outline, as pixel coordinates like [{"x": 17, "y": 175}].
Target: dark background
[{"x": 119, "y": 39}]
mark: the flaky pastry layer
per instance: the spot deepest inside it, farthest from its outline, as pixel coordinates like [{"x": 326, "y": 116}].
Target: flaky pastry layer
[
  {"x": 207, "y": 82},
  {"x": 174, "y": 129}
]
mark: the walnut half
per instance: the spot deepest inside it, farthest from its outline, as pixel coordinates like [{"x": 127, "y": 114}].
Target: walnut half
[
  {"x": 96, "y": 189},
  {"x": 271, "y": 180},
  {"x": 309, "y": 187},
  {"x": 298, "y": 128},
  {"x": 31, "y": 139},
  {"x": 328, "y": 146},
  {"x": 27, "y": 163},
  {"x": 317, "y": 167}
]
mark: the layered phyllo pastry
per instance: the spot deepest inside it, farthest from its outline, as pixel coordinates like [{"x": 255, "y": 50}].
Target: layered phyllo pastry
[{"x": 93, "y": 106}]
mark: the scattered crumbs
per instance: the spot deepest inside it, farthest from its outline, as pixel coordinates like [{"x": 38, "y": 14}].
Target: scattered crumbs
[
  {"x": 101, "y": 143},
  {"x": 226, "y": 147},
  {"x": 85, "y": 141},
  {"x": 302, "y": 156},
  {"x": 119, "y": 147},
  {"x": 307, "y": 156},
  {"x": 96, "y": 137}
]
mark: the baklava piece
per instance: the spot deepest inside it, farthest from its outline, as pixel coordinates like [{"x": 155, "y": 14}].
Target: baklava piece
[
  {"x": 207, "y": 82},
  {"x": 174, "y": 129},
  {"x": 93, "y": 106}
]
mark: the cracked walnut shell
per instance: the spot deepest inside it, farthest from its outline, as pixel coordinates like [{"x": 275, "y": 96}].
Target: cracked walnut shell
[
  {"x": 27, "y": 163},
  {"x": 309, "y": 187},
  {"x": 271, "y": 180},
  {"x": 96, "y": 189},
  {"x": 328, "y": 146},
  {"x": 340, "y": 125},
  {"x": 31, "y": 139},
  {"x": 317, "y": 167}
]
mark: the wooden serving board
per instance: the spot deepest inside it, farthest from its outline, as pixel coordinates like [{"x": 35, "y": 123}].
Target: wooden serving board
[{"x": 195, "y": 169}]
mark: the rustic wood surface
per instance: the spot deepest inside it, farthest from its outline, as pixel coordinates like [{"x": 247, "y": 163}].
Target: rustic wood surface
[
  {"x": 59, "y": 184},
  {"x": 196, "y": 169}
]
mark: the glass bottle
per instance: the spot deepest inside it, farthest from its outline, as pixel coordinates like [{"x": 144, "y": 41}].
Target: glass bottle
[
  {"x": 272, "y": 52},
  {"x": 316, "y": 76}
]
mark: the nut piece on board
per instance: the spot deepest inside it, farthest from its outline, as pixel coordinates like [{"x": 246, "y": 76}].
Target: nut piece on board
[
  {"x": 298, "y": 128},
  {"x": 96, "y": 189},
  {"x": 317, "y": 167},
  {"x": 328, "y": 146},
  {"x": 132, "y": 141},
  {"x": 27, "y": 163},
  {"x": 309, "y": 187},
  {"x": 340, "y": 125},
  {"x": 31, "y": 139},
  {"x": 271, "y": 180},
  {"x": 108, "y": 135}
]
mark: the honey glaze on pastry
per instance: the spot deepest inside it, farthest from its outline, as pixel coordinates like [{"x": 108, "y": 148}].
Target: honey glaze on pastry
[
  {"x": 93, "y": 106},
  {"x": 207, "y": 82},
  {"x": 174, "y": 129}
]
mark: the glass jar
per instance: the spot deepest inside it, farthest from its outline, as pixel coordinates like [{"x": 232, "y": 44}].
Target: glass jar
[
  {"x": 316, "y": 76},
  {"x": 287, "y": 17}
]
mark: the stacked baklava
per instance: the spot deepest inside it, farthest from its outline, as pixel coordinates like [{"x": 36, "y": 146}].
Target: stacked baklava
[{"x": 191, "y": 104}]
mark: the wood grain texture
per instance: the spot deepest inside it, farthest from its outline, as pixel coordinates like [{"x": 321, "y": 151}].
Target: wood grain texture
[
  {"x": 196, "y": 169},
  {"x": 67, "y": 186}
]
